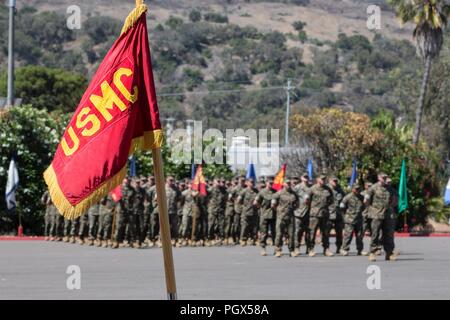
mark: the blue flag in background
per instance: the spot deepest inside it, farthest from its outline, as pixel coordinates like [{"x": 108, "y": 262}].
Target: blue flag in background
[
  {"x": 447, "y": 194},
  {"x": 251, "y": 172},
  {"x": 310, "y": 169},
  {"x": 132, "y": 166},
  {"x": 193, "y": 168},
  {"x": 354, "y": 174}
]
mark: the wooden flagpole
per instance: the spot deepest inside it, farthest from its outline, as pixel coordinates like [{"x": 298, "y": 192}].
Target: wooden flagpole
[
  {"x": 164, "y": 224},
  {"x": 163, "y": 218}
]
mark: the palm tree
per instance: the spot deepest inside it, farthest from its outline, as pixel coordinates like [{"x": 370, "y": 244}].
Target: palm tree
[{"x": 430, "y": 18}]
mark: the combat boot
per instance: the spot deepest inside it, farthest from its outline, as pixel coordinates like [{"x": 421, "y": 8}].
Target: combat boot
[
  {"x": 80, "y": 241},
  {"x": 46, "y": 239},
  {"x": 295, "y": 253},
  {"x": 115, "y": 245},
  {"x": 391, "y": 257},
  {"x": 328, "y": 253},
  {"x": 137, "y": 245},
  {"x": 105, "y": 244},
  {"x": 311, "y": 253},
  {"x": 59, "y": 239},
  {"x": 151, "y": 244},
  {"x": 66, "y": 239},
  {"x": 263, "y": 252},
  {"x": 207, "y": 243},
  {"x": 231, "y": 241},
  {"x": 99, "y": 243},
  {"x": 372, "y": 257},
  {"x": 344, "y": 252},
  {"x": 243, "y": 243},
  {"x": 159, "y": 244},
  {"x": 91, "y": 242},
  {"x": 362, "y": 253},
  {"x": 378, "y": 252},
  {"x": 278, "y": 253},
  {"x": 269, "y": 242},
  {"x": 72, "y": 240},
  {"x": 225, "y": 242}
]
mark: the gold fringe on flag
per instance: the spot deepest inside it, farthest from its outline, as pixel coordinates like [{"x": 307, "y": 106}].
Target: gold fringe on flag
[{"x": 149, "y": 141}]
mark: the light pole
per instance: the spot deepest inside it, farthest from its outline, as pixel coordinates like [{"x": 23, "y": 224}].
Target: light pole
[
  {"x": 10, "y": 94},
  {"x": 288, "y": 110}
]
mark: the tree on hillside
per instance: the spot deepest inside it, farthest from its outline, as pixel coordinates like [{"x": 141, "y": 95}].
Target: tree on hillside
[
  {"x": 430, "y": 18},
  {"x": 53, "y": 89}
]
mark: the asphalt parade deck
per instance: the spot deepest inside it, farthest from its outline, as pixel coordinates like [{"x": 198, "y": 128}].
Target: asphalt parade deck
[{"x": 37, "y": 270}]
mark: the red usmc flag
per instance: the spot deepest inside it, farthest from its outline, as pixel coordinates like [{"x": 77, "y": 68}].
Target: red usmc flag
[{"x": 117, "y": 115}]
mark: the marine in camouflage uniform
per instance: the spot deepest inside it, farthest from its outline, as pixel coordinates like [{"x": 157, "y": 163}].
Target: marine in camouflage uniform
[
  {"x": 366, "y": 220},
  {"x": 67, "y": 227},
  {"x": 122, "y": 214},
  {"x": 83, "y": 228},
  {"x": 236, "y": 229},
  {"x": 267, "y": 218},
  {"x": 107, "y": 206},
  {"x": 391, "y": 222},
  {"x": 188, "y": 199},
  {"x": 216, "y": 205},
  {"x": 249, "y": 211},
  {"x": 47, "y": 201},
  {"x": 57, "y": 225},
  {"x": 302, "y": 213},
  {"x": 74, "y": 228},
  {"x": 335, "y": 220},
  {"x": 93, "y": 214},
  {"x": 138, "y": 211},
  {"x": 181, "y": 187},
  {"x": 321, "y": 198},
  {"x": 229, "y": 214},
  {"x": 381, "y": 199},
  {"x": 352, "y": 207},
  {"x": 149, "y": 190},
  {"x": 286, "y": 202},
  {"x": 153, "y": 233},
  {"x": 173, "y": 198}
]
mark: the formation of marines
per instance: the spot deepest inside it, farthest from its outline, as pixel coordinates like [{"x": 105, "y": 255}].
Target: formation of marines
[{"x": 239, "y": 212}]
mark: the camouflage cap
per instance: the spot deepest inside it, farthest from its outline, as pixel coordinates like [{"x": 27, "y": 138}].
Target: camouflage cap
[
  {"x": 305, "y": 175},
  {"x": 322, "y": 176}
]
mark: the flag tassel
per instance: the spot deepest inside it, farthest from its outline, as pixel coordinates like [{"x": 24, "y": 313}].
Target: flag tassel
[{"x": 134, "y": 16}]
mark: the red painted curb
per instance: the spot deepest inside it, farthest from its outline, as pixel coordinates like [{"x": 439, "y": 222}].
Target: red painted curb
[
  {"x": 429, "y": 235},
  {"x": 15, "y": 238}
]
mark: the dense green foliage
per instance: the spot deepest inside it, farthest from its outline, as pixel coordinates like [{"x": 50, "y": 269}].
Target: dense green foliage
[
  {"x": 53, "y": 89},
  {"x": 32, "y": 136}
]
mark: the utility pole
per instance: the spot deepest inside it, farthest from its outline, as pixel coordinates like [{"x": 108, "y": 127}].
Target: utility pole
[
  {"x": 10, "y": 95},
  {"x": 288, "y": 109}
]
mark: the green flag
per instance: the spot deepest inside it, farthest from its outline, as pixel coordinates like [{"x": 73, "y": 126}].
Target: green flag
[{"x": 402, "y": 190}]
